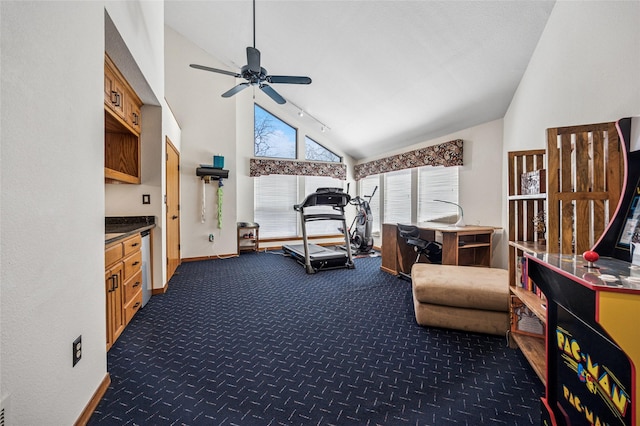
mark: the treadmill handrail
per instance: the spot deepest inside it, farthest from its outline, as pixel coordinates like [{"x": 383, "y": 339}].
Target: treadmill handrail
[{"x": 313, "y": 217}]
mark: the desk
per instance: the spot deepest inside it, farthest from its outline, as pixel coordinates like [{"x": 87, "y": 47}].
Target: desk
[{"x": 467, "y": 245}]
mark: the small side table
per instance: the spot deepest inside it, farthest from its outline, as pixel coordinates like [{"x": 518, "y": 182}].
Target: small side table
[{"x": 248, "y": 236}]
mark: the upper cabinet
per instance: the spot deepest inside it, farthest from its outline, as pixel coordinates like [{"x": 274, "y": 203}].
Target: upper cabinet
[{"x": 122, "y": 125}]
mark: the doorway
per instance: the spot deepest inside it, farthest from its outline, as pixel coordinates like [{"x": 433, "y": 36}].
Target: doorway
[{"x": 173, "y": 208}]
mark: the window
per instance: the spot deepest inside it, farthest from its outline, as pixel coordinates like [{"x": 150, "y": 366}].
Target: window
[
  {"x": 274, "y": 197},
  {"x": 367, "y": 186},
  {"x": 316, "y": 152},
  {"x": 272, "y": 136},
  {"x": 397, "y": 196},
  {"x": 322, "y": 227},
  {"x": 437, "y": 183}
]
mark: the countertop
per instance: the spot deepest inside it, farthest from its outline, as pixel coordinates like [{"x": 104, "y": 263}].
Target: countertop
[{"x": 121, "y": 227}]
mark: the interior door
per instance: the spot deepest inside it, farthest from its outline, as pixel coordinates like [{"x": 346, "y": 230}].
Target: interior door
[{"x": 173, "y": 209}]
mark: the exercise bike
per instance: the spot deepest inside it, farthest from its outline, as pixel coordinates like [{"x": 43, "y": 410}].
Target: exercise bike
[{"x": 360, "y": 235}]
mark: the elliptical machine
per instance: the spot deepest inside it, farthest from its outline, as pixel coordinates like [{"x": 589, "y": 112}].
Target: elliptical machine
[{"x": 360, "y": 235}]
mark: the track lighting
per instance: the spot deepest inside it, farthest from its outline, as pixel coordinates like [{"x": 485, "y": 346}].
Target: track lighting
[{"x": 302, "y": 113}]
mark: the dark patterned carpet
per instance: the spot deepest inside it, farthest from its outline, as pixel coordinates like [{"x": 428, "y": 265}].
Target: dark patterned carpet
[{"x": 254, "y": 340}]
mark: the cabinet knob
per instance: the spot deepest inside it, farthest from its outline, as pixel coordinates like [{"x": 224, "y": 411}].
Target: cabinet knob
[
  {"x": 136, "y": 263},
  {"x": 174, "y": 217}
]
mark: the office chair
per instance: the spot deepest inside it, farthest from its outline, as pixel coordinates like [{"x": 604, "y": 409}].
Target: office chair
[{"x": 432, "y": 250}]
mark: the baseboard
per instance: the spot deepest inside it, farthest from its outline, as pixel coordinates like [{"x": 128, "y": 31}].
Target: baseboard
[
  {"x": 388, "y": 270},
  {"x": 215, "y": 256},
  {"x": 162, "y": 290},
  {"x": 94, "y": 401}
]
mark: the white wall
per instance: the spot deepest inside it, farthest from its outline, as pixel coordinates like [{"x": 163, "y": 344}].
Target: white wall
[
  {"x": 208, "y": 124},
  {"x": 53, "y": 193},
  {"x": 585, "y": 69},
  {"x": 480, "y": 179},
  {"x": 52, "y": 208}
]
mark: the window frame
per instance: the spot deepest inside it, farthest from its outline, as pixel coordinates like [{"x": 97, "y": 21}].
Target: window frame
[
  {"x": 295, "y": 135},
  {"x": 308, "y": 138}
]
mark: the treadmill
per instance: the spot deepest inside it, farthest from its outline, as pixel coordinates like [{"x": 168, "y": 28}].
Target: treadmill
[{"x": 313, "y": 256}]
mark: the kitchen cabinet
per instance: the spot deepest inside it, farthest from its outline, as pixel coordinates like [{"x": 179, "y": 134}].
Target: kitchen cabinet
[
  {"x": 123, "y": 284},
  {"x": 122, "y": 125},
  {"x": 114, "y": 305}
]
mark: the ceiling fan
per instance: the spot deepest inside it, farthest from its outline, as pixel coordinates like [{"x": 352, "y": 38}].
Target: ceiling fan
[{"x": 255, "y": 74}]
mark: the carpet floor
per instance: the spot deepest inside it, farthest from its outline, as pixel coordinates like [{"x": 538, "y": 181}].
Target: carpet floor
[{"x": 254, "y": 340}]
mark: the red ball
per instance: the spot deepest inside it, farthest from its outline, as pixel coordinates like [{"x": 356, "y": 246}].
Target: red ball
[{"x": 590, "y": 256}]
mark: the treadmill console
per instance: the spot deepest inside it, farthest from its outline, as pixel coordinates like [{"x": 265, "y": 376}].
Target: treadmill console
[{"x": 333, "y": 197}]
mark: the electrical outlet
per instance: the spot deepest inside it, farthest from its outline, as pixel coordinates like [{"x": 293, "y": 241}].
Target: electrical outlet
[
  {"x": 211, "y": 238},
  {"x": 77, "y": 350}
]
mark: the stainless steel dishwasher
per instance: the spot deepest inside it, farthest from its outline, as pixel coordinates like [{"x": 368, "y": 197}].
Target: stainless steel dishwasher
[{"x": 146, "y": 267}]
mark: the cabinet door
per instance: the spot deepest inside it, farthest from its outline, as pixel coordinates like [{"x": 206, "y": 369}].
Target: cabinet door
[
  {"x": 132, "y": 111},
  {"x": 114, "y": 289},
  {"x": 114, "y": 96}
]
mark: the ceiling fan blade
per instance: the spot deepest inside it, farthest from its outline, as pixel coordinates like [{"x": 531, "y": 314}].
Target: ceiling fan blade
[
  {"x": 272, "y": 94},
  {"x": 202, "y": 67},
  {"x": 253, "y": 59},
  {"x": 288, "y": 79},
  {"x": 235, "y": 90}
]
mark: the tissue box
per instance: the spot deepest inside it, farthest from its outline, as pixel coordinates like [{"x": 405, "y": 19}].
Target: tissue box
[{"x": 218, "y": 162}]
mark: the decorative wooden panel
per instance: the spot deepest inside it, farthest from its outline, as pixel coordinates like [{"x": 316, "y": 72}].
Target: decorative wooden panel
[
  {"x": 523, "y": 208},
  {"x": 584, "y": 184}
]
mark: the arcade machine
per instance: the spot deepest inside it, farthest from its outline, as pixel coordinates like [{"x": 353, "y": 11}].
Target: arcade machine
[
  {"x": 593, "y": 314},
  {"x": 313, "y": 256}
]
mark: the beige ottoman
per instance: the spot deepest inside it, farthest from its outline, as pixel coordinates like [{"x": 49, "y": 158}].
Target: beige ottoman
[{"x": 461, "y": 297}]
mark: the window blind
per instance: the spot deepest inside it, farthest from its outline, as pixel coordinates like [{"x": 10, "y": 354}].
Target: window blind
[
  {"x": 397, "y": 196},
  {"x": 437, "y": 183},
  {"x": 274, "y": 197}
]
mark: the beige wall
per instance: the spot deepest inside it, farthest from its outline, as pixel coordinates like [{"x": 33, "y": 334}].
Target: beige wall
[
  {"x": 480, "y": 179},
  {"x": 585, "y": 69}
]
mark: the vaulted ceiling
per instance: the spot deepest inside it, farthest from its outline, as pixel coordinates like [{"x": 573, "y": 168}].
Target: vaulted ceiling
[{"x": 386, "y": 74}]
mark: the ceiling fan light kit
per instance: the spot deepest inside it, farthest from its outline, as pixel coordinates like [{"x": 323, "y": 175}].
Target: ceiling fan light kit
[{"x": 255, "y": 74}]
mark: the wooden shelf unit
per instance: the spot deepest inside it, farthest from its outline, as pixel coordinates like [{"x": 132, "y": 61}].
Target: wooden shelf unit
[
  {"x": 584, "y": 172},
  {"x": 471, "y": 248},
  {"x": 524, "y": 238}
]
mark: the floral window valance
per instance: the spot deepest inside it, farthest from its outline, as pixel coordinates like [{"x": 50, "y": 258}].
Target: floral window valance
[
  {"x": 262, "y": 166},
  {"x": 445, "y": 154}
]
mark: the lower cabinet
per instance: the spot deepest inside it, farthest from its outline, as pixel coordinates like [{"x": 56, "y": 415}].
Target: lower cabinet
[
  {"x": 123, "y": 285},
  {"x": 115, "y": 308}
]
